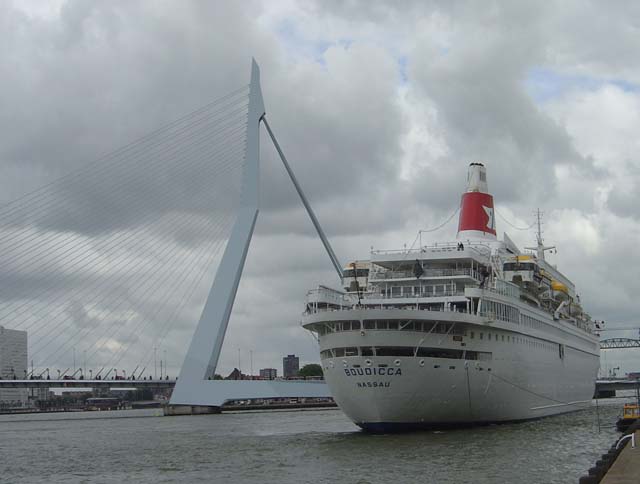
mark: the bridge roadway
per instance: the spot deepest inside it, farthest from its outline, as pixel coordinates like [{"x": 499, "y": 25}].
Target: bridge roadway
[{"x": 87, "y": 383}]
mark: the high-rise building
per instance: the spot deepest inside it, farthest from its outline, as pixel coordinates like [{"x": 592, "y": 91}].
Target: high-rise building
[
  {"x": 268, "y": 373},
  {"x": 290, "y": 366},
  {"x": 13, "y": 365}
]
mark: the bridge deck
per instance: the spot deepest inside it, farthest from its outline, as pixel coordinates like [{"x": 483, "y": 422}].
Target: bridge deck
[{"x": 86, "y": 383}]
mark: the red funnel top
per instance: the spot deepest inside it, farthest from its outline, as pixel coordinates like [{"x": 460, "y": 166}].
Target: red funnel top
[{"x": 477, "y": 219}]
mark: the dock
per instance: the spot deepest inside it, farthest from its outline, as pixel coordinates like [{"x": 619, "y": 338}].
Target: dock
[
  {"x": 621, "y": 464},
  {"x": 626, "y": 468}
]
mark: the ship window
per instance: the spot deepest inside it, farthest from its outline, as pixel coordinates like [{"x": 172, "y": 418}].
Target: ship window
[
  {"x": 393, "y": 324},
  {"x": 370, "y": 324},
  {"x": 381, "y": 324},
  {"x": 481, "y": 336},
  {"x": 452, "y": 367},
  {"x": 394, "y": 351},
  {"x": 366, "y": 351},
  {"x": 503, "y": 337},
  {"x": 407, "y": 326},
  {"x": 436, "y": 366},
  {"x": 489, "y": 336},
  {"x": 339, "y": 352},
  {"x": 351, "y": 351},
  {"x": 355, "y": 325},
  {"x": 440, "y": 353},
  {"x": 478, "y": 355},
  {"x": 472, "y": 334}
]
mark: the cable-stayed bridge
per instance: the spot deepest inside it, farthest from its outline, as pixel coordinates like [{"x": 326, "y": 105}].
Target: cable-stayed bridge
[{"x": 102, "y": 264}]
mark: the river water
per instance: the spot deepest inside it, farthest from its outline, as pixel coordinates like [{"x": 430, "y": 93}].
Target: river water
[{"x": 310, "y": 446}]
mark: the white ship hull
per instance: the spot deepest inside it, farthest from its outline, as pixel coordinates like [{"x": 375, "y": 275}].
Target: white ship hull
[
  {"x": 432, "y": 397},
  {"x": 525, "y": 378}
]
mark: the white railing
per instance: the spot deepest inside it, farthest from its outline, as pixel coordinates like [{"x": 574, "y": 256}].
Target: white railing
[
  {"x": 479, "y": 248},
  {"x": 385, "y": 275},
  {"x": 506, "y": 289},
  {"x": 327, "y": 295},
  {"x": 440, "y": 293}
]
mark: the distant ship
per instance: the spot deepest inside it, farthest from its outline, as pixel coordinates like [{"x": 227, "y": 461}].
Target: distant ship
[{"x": 468, "y": 332}]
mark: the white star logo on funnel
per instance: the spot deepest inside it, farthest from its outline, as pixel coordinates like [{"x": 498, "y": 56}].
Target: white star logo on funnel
[{"x": 491, "y": 223}]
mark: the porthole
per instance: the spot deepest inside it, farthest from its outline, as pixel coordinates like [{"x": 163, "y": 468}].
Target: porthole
[
  {"x": 397, "y": 362},
  {"x": 367, "y": 362},
  {"x": 421, "y": 362}
]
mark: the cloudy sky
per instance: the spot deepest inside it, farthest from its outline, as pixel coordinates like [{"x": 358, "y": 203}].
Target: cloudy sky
[{"x": 380, "y": 107}]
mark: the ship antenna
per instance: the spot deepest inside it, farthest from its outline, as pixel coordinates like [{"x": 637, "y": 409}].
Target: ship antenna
[
  {"x": 540, "y": 248},
  {"x": 539, "y": 240}
]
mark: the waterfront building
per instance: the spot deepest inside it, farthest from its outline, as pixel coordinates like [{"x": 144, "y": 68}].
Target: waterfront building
[
  {"x": 13, "y": 365},
  {"x": 236, "y": 375},
  {"x": 290, "y": 366},
  {"x": 268, "y": 373}
]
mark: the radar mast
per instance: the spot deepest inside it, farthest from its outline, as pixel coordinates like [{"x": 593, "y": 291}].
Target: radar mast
[{"x": 540, "y": 248}]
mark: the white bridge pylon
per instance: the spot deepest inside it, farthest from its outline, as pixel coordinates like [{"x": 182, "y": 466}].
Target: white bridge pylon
[{"x": 194, "y": 387}]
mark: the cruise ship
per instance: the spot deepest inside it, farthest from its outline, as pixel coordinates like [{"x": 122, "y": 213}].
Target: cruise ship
[{"x": 453, "y": 334}]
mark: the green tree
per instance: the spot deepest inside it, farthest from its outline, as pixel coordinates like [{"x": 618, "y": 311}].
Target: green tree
[{"x": 312, "y": 369}]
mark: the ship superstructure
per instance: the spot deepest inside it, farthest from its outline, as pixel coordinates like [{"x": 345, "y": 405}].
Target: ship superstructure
[{"x": 471, "y": 331}]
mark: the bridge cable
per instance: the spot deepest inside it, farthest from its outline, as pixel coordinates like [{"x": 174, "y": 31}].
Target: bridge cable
[
  {"x": 131, "y": 275},
  {"x": 112, "y": 241},
  {"x": 161, "y": 274},
  {"x": 132, "y": 144},
  {"x": 105, "y": 243},
  {"x": 47, "y": 208}
]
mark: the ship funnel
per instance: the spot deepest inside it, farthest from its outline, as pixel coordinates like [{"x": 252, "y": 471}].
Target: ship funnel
[{"x": 477, "y": 217}]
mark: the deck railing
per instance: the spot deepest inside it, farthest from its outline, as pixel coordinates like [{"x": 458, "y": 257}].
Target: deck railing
[{"x": 385, "y": 275}]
